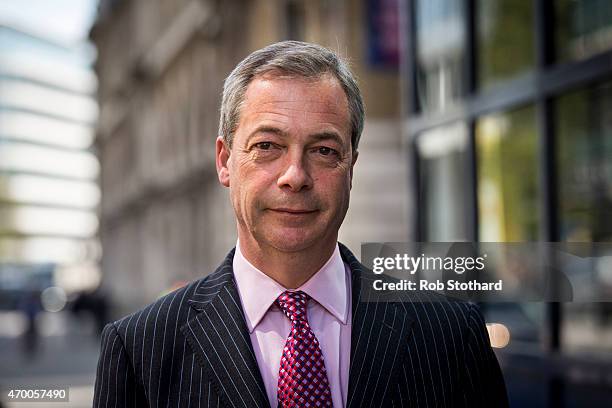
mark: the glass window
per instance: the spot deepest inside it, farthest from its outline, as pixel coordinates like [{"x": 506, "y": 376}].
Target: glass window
[
  {"x": 16, "y": 43},
  {"x": 440, "y": 52},
  {"x": 505, "y": 40},
  {"x": 443, "y": 165},
  {"x": 507, "y": 180},
  {"x": 584, "y": 159},
  {"x": 507, "y": 150},
  {"x": 583, "y": 28}
]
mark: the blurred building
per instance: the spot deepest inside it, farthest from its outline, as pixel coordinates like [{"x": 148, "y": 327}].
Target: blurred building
[
  {"x": 161, "y": 66},
  {"x": 508, "y": 120},
  {"x": 48, "y": 172}
]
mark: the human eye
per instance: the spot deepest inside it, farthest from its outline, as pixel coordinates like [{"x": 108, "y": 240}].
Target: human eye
[
  {"x": 264, "y": 145},
  {"x": 265, "y": 150},
  {"x": 327, "y": 151}
]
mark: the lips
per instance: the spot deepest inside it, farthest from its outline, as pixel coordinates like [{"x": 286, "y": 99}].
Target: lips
[{"x": 293, "y": 211}]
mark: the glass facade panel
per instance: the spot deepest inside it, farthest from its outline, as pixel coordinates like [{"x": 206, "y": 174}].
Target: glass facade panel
[
  {"x": 583, "y": 28},
  {"x": 584, "y": 158},
  {"x": 558, "y": 353},
  {"x": 505, "y": 40},
  {"x": 507, "y": 174},
  {"x": 16, "y": 43},
  {"x": 507, "y": 151},
  {"x": 440, "y": 52},
  {"x": 443, "y": 165}
]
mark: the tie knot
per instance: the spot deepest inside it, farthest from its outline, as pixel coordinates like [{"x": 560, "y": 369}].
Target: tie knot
[{"x": 293, "y": 304}]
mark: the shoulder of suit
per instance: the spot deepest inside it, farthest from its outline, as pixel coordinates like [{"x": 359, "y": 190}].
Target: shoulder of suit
[{"x": 424, "y": 302}]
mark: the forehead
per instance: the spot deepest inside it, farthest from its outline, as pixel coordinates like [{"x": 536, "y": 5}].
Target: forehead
[{"x": 280, "y": 97}]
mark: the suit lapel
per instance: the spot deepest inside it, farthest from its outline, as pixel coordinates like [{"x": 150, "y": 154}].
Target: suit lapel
[
  {"x": 220, "y": 340},
  {"x": 378, "y": 339}
]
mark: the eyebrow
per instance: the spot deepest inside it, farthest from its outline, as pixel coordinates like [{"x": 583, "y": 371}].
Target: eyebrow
[
  {"x": 267, "y": 129},
  {"x": 326, "y": 135}
]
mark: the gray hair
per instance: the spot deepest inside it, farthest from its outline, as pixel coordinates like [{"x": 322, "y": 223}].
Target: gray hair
[{"x": 291, "y": 58}]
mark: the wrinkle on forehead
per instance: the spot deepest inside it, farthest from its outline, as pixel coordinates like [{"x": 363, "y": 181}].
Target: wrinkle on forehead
[
  {"x": 268, "y": 84},
  {"x": 267, "y": 95},
  {"x": 289, "y": 109}
]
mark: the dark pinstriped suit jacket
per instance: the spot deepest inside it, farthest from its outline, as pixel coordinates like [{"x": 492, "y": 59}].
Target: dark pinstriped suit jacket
[{"x": 192, "y": 348}]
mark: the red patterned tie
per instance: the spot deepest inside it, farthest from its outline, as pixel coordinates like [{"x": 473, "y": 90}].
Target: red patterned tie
[{"x": 302, "y": 379}]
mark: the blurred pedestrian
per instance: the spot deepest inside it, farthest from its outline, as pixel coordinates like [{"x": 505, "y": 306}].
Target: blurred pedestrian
[{"x": 30, "y": 306}]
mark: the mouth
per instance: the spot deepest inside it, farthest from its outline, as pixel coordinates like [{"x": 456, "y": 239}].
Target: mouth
[{"x": 293, "y": 211}]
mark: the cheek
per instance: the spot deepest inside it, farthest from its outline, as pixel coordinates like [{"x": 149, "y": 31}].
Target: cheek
[
  {"x": 246, "y": 192},
  {"x": 238, "y": 189},
  {"x": 335, "y": 188}
]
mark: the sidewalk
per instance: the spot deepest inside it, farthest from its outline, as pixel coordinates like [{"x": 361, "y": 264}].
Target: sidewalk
[{"x": 66, "y": 355}]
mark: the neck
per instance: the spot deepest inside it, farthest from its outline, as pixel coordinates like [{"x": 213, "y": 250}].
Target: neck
[{"x": 290, "y": 269}]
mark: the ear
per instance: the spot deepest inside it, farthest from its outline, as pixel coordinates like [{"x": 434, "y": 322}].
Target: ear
[
  {"x": 222, "y": 158},
  {"x": 353, "y": 161}
]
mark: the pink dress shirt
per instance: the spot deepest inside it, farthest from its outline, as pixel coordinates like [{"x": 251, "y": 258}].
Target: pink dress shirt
[{"x": 329, "y": 315}]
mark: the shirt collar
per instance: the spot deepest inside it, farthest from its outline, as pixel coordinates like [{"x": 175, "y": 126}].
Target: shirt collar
[{"x": 258, "y": 291}]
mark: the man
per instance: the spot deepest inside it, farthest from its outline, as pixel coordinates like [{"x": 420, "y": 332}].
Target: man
[{"x": 281, "y": 322}]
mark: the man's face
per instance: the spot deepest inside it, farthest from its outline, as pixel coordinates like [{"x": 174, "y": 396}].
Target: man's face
[{"x": 290, "y": 166}]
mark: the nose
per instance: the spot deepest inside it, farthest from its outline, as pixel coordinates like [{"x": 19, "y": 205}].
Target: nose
[{"x": 295, "y": 176}]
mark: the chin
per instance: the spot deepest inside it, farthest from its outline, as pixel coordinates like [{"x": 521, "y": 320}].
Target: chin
[{"x": 293, "y": 240}]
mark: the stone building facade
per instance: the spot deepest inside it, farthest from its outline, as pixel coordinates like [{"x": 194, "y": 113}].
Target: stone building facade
[{"x": 161, "y": 64}]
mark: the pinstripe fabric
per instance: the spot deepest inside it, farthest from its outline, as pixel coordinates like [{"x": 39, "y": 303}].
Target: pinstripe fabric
[{"x": 191, "y": 348}]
